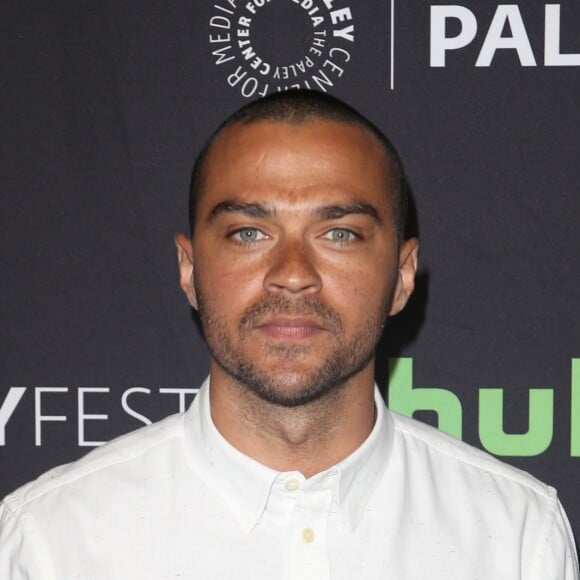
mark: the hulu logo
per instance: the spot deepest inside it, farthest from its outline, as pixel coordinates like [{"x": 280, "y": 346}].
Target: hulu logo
[{"x": 404, "y": 398}]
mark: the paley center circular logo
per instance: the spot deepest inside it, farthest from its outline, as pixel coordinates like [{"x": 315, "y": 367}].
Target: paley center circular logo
[{"x": 263, "y": 46}]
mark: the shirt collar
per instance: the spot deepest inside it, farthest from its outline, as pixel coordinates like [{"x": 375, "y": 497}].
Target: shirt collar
[
  {"x": 361, "y": 471},
  {"x": 245, "y": 484}
]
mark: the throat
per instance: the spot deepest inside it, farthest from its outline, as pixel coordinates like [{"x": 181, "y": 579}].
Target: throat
[{"x": 306, "y": 438}]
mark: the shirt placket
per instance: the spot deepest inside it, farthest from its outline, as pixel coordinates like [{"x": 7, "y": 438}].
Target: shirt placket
[{"x": 307, "y": 554}]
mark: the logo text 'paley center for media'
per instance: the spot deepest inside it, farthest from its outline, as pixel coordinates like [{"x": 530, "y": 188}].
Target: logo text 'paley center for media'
[{"x": 263, "y": 46}]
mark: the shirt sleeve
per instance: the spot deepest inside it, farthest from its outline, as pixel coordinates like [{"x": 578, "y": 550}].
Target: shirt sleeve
[
  {"x": 560, "y": 558},
  {"x": 16, "y": 559},
  {"x": 11, "y": 541}
]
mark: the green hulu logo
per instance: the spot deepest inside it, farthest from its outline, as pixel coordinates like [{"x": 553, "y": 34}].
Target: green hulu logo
[{"x": 405, "y": 399}]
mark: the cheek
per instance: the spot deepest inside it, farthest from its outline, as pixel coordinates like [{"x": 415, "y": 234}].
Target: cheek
[
  {"x": 358, "y": 293},
  {"x": 228, "y": 287},
  {"x": 363, "y": 285}
]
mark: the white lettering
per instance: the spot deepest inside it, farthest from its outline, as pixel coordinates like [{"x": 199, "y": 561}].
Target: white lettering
[
  {"x": 130, "y": 411},
  {"x": 440, "y": 43},
  {"x": 333, "y": 67},
  {"x": 181, "y": 392},
  {"x": 518, "y": 41},
  {"x": 221, "y": 53},
  {"x": 345, "y": 33},
  {"x": 248, "y": 53},
  {"x": 86, "y": 417},
  {"x": 39, "y": 418},
  {"x": 220, "y": 22},
  {"x": 224, "y": 9},
  {"x": 213, "y": 38},
  {"x": 7, "y": 409},
  {"x": 249, "y": 87},
  {"x": 341, "y": 15},
  {"x": 552, "y": 54},
  {"x": 346, "y": 54},
  {"x": 322, "y": 81},
  {"x": 236, "y": 76}
]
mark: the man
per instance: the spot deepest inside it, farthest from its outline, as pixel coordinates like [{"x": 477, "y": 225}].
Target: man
[{"x": 287, "y": 464}]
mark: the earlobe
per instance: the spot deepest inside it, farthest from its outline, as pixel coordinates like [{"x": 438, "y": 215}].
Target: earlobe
[
  {"x": 408, "y": 261},
  {"x": 185, "y": 263}
]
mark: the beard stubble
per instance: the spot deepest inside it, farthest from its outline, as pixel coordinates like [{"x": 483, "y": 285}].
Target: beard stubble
[{"x": 341, "y": 362}]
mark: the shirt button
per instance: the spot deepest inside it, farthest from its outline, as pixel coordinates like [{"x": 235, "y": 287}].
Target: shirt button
[
  {"x": 308, "y": 535},
  {"x": 292, "y": 484}
]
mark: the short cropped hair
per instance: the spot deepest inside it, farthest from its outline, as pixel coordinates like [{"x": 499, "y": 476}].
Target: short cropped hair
[{"x": 295, "y": 107}]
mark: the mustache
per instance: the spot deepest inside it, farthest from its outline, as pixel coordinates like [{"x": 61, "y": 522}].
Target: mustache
[{"x": 309, "y": 306}]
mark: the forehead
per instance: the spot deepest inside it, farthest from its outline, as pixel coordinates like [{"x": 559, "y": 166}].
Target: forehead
[{"x": 277, "y": 159}]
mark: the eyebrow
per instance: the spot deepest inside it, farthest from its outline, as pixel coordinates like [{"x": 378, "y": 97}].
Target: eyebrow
[
  {"x": 255, "y": 210},
  {"x": 332, "y": 212},
  {"x": 326, "y": 212}
]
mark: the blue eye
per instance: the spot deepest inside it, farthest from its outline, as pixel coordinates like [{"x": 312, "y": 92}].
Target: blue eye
[
  {"x": 248, "y": 235},
  {"x": 340, "y": 235}
]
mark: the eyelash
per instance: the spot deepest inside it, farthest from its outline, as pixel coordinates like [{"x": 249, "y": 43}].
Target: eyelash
[
  {"x": 349, "y": 233},
  {"x": 236, "y": 235}
]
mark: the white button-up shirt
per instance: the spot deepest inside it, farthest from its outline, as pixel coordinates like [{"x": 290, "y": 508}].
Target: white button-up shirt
[{"x": 176, "y": 500}]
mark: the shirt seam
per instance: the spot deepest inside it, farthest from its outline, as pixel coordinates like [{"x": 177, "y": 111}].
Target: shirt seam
[
  {"x": 539, "y": 488},
  {"x": 548, "y": 527},
  {"x": 75, "y": 476},
  {"x": 26, "y": 535}
]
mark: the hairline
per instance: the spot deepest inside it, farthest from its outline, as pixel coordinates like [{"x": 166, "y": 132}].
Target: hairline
[{"x": 397, "y": 192}]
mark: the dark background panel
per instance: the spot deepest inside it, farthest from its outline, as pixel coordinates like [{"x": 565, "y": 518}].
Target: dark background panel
[{"x": 104, "y": 107}]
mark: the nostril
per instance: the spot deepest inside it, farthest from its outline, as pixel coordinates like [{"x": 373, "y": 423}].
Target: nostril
[{"x": 293, "y": 271}]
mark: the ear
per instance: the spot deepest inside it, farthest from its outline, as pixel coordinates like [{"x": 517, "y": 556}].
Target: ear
[
  {"x": 408, "y": 260},
  {"x": 185, "y": 263}
]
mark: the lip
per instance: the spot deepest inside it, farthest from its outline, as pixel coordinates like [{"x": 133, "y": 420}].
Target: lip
[{"x": 290, "y": 327}]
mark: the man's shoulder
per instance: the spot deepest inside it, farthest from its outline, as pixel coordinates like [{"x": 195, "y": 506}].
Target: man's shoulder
[
  {"x": 428, "y": 444},
  {"x": 123, "y": 453}
]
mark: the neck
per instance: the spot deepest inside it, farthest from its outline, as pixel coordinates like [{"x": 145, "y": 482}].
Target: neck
[{"x": 307, "y": 438}]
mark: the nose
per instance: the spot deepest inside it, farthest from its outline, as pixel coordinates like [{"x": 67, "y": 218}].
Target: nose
[{"x": 292, "y": 270}]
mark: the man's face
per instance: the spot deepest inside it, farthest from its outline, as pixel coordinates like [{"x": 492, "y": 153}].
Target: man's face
[{"x": 295, "y": 265}]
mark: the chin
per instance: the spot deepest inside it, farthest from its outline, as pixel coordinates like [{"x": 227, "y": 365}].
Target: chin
[{"x": 289, "y": 389}]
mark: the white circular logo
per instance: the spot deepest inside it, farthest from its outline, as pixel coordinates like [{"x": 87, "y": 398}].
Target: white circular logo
[{"x": 263, "y": 46}]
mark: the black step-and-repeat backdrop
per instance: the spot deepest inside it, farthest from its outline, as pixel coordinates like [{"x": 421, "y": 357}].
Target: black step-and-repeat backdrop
[{"x": 104, "y": 106}]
